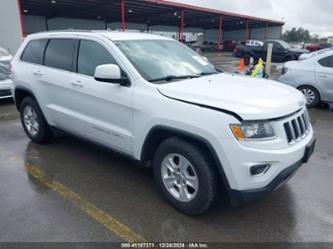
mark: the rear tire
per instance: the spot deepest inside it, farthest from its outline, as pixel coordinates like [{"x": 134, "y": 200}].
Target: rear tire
[
  {"x": 311, "y": 95},
  {"x": 185, "y": 175},
  {"x": 33, "y": 121}
]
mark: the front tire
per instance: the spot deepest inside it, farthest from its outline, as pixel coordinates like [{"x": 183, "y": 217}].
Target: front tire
[
  {"x": 33, "y": 121},
  {"x": 247, "y": 59},
  {"x": 185, "y": 175},
  {"x": 311, "y": 95}
]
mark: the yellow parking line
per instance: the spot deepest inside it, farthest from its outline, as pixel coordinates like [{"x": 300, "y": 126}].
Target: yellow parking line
[{"x": 88, "y": 208}]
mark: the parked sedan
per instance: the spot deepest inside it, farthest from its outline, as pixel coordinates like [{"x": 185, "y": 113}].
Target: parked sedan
[
  {"x": 315, "y": 53},
  {"x": 6, "y": 84},
  {"x": 313, "y": 77}
]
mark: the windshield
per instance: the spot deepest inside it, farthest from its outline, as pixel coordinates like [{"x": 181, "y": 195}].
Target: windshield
[
  {"x": 284, "y": 45},
  {"x": 165, "y": 60}
]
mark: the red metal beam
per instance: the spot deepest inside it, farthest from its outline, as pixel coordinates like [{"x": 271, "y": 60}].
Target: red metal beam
[
  {"x": 21, "y": 17},
  {"x": 219, "y": 35},
  {"x": 122, "y": 15},
  {"x": 208, "y": 10}
]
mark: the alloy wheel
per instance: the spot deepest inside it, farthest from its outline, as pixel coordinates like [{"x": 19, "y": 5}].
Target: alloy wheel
[{"x": 179, "y": 177}]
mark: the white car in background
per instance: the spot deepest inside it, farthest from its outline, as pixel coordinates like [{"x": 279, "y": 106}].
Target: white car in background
[
  {"x": 313, "y": 77},
  {"x": 254, "y": 43},
  {"x": 6, "y": 84},
  {"x": 315, "y": 53}
]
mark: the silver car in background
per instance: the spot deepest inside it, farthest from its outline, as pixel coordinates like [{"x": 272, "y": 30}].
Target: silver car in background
[
  {"x": 6, "y": 83},
  {"x": 312, "y": 76}
]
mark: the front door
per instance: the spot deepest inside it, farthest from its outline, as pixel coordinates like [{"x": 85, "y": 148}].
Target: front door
[
  {"x": 102, "y": 111},
  {"x": 324, "y": 77}
]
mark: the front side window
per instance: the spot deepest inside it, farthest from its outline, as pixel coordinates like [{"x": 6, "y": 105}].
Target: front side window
[
  {"x": 164, "y": 59},
  {"x": 91, "y": 55},
  {"x": 284, "y": 45},
  {"x": 59, "y": 54},
  {"x": 34, "y": 51}
]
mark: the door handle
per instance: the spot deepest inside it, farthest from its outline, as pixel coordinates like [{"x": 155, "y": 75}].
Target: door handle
[
  {"x": 37, "y": 73},
  {"x": 77, "y": 83},
  {"x": 322, "y": 76}
]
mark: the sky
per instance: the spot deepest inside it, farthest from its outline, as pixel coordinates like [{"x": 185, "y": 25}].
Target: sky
[{"x": 314, "y": 15}]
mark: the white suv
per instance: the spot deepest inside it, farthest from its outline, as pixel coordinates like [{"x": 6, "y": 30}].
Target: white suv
[{"x": 155, "y": 100}]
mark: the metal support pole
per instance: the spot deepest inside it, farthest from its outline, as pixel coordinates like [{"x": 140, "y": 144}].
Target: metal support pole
[
  {"x": 246, "y": 30},
  {"x": 266, "y": 31},
  {"x": 21, "y": 17},
  {"x": 122, "y": 15},
  {"x": 182, "y": 26},
  {"x": 219, "y": 35}
]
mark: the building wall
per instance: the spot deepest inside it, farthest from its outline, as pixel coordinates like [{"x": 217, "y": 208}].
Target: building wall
[
  {"x": 34, "y": 24},
  {"x": 59, "y": 23},
  {"x": 238, "y": 35},
  {"x": 10, "y": 27}
]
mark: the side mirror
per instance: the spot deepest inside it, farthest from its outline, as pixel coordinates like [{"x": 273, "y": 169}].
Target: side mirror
[{"x": 111, "y": 73}]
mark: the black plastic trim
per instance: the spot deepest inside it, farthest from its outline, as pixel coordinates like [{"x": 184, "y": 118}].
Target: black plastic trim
[
  {"x": 187, "y": 134},
  {"x": 22, "y": 89}
]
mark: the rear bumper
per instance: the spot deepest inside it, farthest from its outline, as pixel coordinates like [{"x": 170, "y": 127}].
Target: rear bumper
[
  {"x": 238, "y": 197},
  {"x": 6, "y": 88}
]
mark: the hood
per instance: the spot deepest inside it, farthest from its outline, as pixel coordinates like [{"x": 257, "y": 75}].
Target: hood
[
  {"x": 298, "y": 50},
  {"x": 249, "y": 98}
]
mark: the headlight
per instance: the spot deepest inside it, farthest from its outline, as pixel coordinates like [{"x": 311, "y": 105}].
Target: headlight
[{"x": 252, "y": 131}]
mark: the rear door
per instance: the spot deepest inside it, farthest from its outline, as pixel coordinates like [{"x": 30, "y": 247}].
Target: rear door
[
  {"x": 324, "y": 76},
  {"x": 101, "y": 111},
  {"x": 53, "y": 78},
  {"x": 29, "y": 73}
]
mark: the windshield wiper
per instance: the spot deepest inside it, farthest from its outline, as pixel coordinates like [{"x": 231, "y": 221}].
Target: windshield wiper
[
  {"x": 207, "y": 73},
  {"x": 173, "y": 77}
]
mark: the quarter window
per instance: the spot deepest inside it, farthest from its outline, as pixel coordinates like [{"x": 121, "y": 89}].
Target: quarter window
[
  {"x": 34, "y": 51},
  {"x": 91, "y": 55},
  {"x": 327, "y": 61},
  {"x": 59, "y": 54}
]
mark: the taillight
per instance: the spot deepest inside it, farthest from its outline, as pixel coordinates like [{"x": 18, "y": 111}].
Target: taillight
[{"x": 10, "y": 67}]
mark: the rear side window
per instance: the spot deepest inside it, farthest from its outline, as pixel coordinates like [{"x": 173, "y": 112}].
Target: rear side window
[
  {"x": 91, "y": 55},
  {"x": 59, "y": 54},
  {"x": 327, "y": 61},
  {"x": 34, "y": 51}
]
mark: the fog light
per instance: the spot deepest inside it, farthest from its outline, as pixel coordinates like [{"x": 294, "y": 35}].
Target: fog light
[{"x": 259, "y": 170}]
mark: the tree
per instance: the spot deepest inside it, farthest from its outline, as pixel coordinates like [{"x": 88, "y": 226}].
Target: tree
[{"x": 297, "y": 35}]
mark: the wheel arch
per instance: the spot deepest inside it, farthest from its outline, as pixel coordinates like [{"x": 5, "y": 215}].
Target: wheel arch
[
  {"x": 20, "y": 93},
  {"x": 159, "y": 133},
  {"x": 312, "y": 86}
]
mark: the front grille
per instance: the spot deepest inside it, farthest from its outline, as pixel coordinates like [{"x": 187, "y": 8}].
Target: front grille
[
  {"x": 297, "y": 127},
  {"x": 6, "y": 92}
]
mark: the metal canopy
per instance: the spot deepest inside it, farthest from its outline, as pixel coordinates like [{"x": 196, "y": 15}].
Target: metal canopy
[{"x": 151, "y": 12}]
